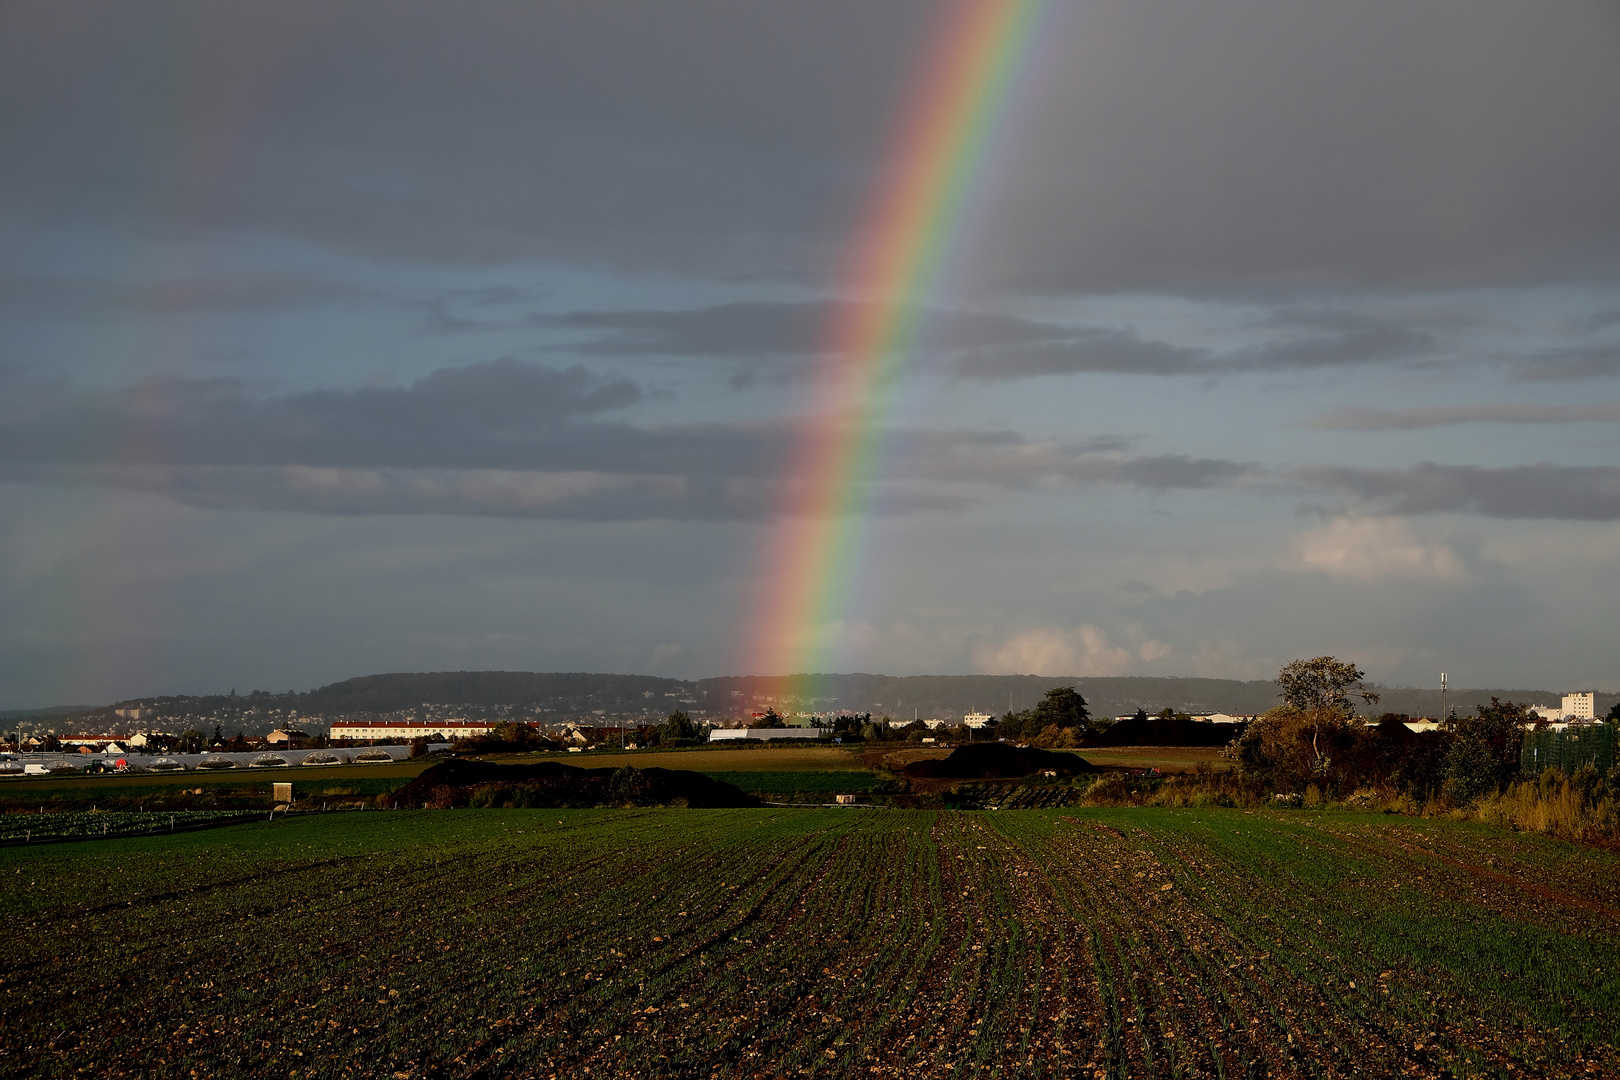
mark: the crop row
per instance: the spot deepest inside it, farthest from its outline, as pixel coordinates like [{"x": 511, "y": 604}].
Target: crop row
[
  {"x": 1145, "y": 943},
  {"x": 26, "y": 828}
]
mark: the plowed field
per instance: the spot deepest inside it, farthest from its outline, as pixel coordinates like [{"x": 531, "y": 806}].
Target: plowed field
[{"x": 777, "y": 943}]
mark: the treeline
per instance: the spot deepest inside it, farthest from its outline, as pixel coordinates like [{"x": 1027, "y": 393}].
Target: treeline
[{"x": 1312, "y": 750}]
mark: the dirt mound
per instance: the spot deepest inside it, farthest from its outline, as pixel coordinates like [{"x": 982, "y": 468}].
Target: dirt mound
[
  {"x": 553, "y": 784},
  {"x": 993, "y": 761},
  {"x": 1163, "y": 731}
]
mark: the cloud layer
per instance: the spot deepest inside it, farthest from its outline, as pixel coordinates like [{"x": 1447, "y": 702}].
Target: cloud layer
[
  {"x": 511, "y": 438},
  {"x": 1252, "y": 143},
  {"x": 1505, "y": 412}
]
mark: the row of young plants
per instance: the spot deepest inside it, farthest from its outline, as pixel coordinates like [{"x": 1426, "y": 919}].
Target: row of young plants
[
  {"x": 96, "y": 824},
  {"x": 795, "y": 943}
]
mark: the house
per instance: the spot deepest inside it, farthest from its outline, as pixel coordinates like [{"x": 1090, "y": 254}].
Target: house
[{"x": 285, "y": 738}]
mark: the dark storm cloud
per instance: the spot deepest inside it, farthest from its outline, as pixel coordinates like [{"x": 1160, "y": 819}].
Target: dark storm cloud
[
  {"x": 985, "y": 346},
  {"x": 758, "y": 330},
  {"x": 1255, "y": 143},
  {"x": 726, "y": 330},
  {"x": 1344, "y": 341},
  {"x": 1503, "y": 412},
  {"x": 86, "y": 297},
  {"x": 501, "y": 438},
  {"x": 511, "y": 439},
  {"x": 1587, "y": 363},
  {"x": 1095, "y": 350},
  {"x": 1571, "y": 493},
  {"x": 489, "y": 414}
]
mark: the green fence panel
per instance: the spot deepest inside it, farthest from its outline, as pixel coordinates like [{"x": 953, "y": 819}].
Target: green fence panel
[{"x": 1568, "y": 750}]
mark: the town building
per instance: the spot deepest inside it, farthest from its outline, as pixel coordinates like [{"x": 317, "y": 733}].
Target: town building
[
  {"x": 1580, "y": 705},
  {"x": 978, "y": 719},
  {"x": 409, "y": 729}
]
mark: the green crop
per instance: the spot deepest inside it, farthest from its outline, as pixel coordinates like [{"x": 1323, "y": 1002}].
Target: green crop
[{"x": 735, "y": 943}]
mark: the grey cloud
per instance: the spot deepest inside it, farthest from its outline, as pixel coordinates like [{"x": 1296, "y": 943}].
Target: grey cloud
[
  {"x": 484, "y": 415},
  {"x": 1587, "y": 363},
  {"x": 79, "y": 296},
  {"x": 1003, "y": 459},
  {"x": 503, "y": 439},
  {"x": 1571, "y": 493},
  {"x": 1096, "y": 350},
  {"x": 511, "y": 439},
  {"x": 1342, "y": 340},
  {"x": 1257, "y": 143},
  {"x": 1504, "y": 412},
  {"x": 1345, "y": 342},
  {"x": 756, "y": 328},
  {"x": 1175, "y": 471},
  {"x": 982, "y": 345}
]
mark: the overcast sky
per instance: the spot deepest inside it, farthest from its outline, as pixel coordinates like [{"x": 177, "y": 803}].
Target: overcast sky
[{"x": 340, "y": 337}]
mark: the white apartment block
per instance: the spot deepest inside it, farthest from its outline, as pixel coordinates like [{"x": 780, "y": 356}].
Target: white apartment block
[
  {"x": 977, "y": 719},
  {"x": 390, "y": 729},
  {"x": 1580, "y": 705}
]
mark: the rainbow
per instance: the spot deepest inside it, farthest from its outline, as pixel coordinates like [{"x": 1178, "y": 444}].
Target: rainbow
[{"x": 899, "y": 253}]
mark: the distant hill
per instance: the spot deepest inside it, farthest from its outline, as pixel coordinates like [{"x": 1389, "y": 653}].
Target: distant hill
[
  {"x": 606, "y": 697},
  {"x": 8, "y": 715},
  {"x": 561, "y": 691}
]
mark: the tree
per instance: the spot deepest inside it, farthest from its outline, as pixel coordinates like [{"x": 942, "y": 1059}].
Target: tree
[
  {"x": 771, "y": 719},
  {"x": 678, "y": 727},
  {"x": 1485, "y": 749},
  {"x": 1296, "y": 743},
  {"x": 192, "y": 741},
  {"x": 1011, "y": 725},
  {"x": 1322, "y": 683},
  {"x": 1061, "y": 707},
  {"x": 1614, "y": 712}
]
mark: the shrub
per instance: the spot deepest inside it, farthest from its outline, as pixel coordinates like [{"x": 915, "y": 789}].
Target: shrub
[
  {"x": 1484, "y": 752},
  {"x": 1585, "y": 806}
]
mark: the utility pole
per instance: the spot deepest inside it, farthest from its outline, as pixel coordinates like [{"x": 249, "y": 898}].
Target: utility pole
[{"x": 1445, "y": 717}]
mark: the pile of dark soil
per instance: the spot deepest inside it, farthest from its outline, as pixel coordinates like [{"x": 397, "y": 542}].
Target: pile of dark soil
[
  {"x": 993, "y": 761},
  {"x": 1164, "y": 731},
  {"x": 551, "y": 784}
]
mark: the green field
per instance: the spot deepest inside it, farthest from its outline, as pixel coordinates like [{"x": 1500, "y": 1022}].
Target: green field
[
  {"x": 781, "y": 782},
  {"x": 248, "y": 788},
  {"x": 748, "y": 943},
  {"x": 815, "y": 769}
]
